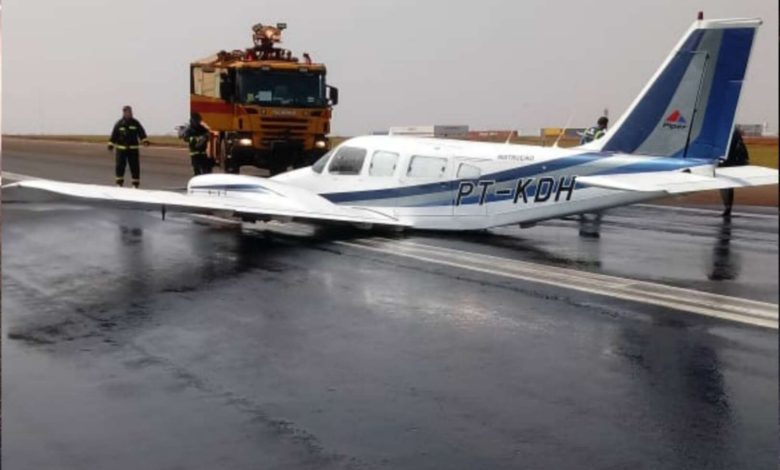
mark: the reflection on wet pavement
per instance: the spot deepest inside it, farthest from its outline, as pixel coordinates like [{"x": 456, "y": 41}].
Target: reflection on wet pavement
[
  {"x": 725, "y": 265},
  {"x": 215, "y": 347}
]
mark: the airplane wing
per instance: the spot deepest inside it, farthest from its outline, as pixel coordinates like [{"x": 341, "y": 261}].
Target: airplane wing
[
  {"x": 679, "y": 182},
  {"x": 271, "y": 200}
]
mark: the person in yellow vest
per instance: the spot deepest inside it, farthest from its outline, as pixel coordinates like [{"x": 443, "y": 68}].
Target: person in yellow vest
[
  {"x": 126, "y": 137},
  {"x": 197, "y": 135},
  {"x": 596, "y": 132}
]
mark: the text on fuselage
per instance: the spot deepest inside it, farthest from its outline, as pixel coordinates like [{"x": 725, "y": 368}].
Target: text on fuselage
[{"x": 525, "y": 190}]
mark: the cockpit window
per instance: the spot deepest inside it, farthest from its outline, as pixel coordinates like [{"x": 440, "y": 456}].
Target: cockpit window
[
  {"x": 383, "y": 163},
  {"x": 426, "y": 167},
  {"x": 347, "y": 161},
  {"x": 319, "y": 165}
]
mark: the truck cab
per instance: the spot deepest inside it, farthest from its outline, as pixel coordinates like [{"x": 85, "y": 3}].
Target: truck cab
[{"x": 268, "y": 108}]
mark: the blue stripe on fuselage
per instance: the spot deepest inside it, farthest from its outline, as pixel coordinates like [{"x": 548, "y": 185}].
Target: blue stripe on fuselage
[
  {"x": 251, "y": 188},
  {"x": 431, "y": 188},
  {"x": 644, "y": 165},
  {"x": 446, "y": 189}
]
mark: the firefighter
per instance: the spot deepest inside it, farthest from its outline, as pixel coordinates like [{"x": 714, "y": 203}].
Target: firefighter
[
  {"x": 596, "y": 132},
  {"x": 126, "y": 137},
  {"x": 737, "y": 156},
  {"x": 197, "y": 137}
]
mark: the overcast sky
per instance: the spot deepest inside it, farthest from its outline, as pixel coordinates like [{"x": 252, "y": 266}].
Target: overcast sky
[{"x": 69, "y": 66}]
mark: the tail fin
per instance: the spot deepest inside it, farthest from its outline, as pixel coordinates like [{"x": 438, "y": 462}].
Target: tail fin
[{"x": 687, "y": 109}]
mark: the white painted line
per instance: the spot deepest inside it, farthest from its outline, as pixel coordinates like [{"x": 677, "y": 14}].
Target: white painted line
[
  {"x": 697, "y": 210},
  {"x": 156, "y": 146},
  {"x": 17, "y": 176},
  {"x": 735, "y": 309},
  {"x": 702, "y": 303}
]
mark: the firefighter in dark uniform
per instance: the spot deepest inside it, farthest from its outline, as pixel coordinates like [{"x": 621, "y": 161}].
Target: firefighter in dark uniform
[
  {"x": 197, "y": 137},
  {"x": 596, "y": 132},
  {"x": 126, "y": 138},
  {"x": 737, "y": 156}
]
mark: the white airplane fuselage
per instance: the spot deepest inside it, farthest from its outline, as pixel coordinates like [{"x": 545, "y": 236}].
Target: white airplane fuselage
[
  {"x": 464, "y": 185},
  {"x": 681, "y": 122}
]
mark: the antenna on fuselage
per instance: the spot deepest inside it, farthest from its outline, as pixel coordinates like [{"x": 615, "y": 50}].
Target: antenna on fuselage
[
  {"x": 563, "y": 131},
  {"x": 509, "y": 138}
]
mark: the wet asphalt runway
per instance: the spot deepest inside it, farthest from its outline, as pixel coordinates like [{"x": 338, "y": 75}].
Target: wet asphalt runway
[{"x": 131, "y": 342}]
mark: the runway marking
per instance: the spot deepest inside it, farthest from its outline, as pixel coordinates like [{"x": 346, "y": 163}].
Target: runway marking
[
  {"x": 712, "y": 305},
  {"x": 17, "y": 176},
  {"x": 698, "y": 210},
  {"x": 735, "y": 309}
]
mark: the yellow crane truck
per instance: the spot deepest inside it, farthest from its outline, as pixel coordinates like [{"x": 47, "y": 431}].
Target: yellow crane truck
[{"x": 266, "y": 107}]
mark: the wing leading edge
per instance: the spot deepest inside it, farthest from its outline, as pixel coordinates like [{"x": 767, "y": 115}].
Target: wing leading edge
[{"x": 296, "y": 204}]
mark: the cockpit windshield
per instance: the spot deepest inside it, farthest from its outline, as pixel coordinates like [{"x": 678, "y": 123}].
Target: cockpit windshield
[
  {"x": 319, "y": 165},
  {"x": 284, "y": 88}
]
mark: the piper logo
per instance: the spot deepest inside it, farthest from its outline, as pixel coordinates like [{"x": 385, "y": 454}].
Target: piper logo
[{"x": 675, "y": 120}]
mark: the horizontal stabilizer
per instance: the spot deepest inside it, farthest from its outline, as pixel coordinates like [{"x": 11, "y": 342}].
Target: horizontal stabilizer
[{"x": 679, "y": 182}]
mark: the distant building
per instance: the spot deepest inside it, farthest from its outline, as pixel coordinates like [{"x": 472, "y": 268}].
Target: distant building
[
  {"x": 552, "y": 131},
  {"x": 492, "y": 135},
  {"x": 439, "y": 131},
  {"x": 754, "y": 130},
  {"x": 536, "y": 132}
]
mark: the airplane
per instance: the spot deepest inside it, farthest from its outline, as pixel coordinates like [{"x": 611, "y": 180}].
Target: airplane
[{"x": 668, "y": 142}]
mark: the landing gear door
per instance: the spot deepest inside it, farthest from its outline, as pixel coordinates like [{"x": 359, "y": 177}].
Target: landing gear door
[{"x": 469, "y": 199}]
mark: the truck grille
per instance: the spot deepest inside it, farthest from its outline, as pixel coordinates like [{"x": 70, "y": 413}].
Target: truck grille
[{"x": 275, "y": 129}]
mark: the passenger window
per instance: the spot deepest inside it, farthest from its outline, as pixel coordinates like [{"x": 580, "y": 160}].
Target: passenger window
[
  {"x": 426, "y": 167},
  {"x": 383, "y": 163},
  {"x": 319, "y": 165},
  {"x": 347, "y": 161},
  {"x": 468, "y": 172}
]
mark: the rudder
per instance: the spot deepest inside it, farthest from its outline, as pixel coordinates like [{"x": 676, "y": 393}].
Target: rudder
[{"x": 687, "y": 109}]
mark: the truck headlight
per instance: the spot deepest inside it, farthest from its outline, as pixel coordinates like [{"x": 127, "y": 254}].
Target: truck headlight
[
  {"x": 320, "y": 144},
  {"x": 246, "y": 142}
]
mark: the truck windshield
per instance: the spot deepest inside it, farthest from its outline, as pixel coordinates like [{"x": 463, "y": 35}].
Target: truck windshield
[{"x": 281, "y": 88}]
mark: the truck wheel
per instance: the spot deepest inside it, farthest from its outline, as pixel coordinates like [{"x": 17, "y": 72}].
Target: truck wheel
[
  {"x": 304, "y": 161},
  {"x": 276, "y": 170},
  {"x": 228, "y": 166}
]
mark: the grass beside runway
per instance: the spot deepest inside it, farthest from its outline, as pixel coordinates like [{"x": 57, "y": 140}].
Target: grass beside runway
[
  {"x": 763, "y": 150},
  {"x": 163, "y": 140}
]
